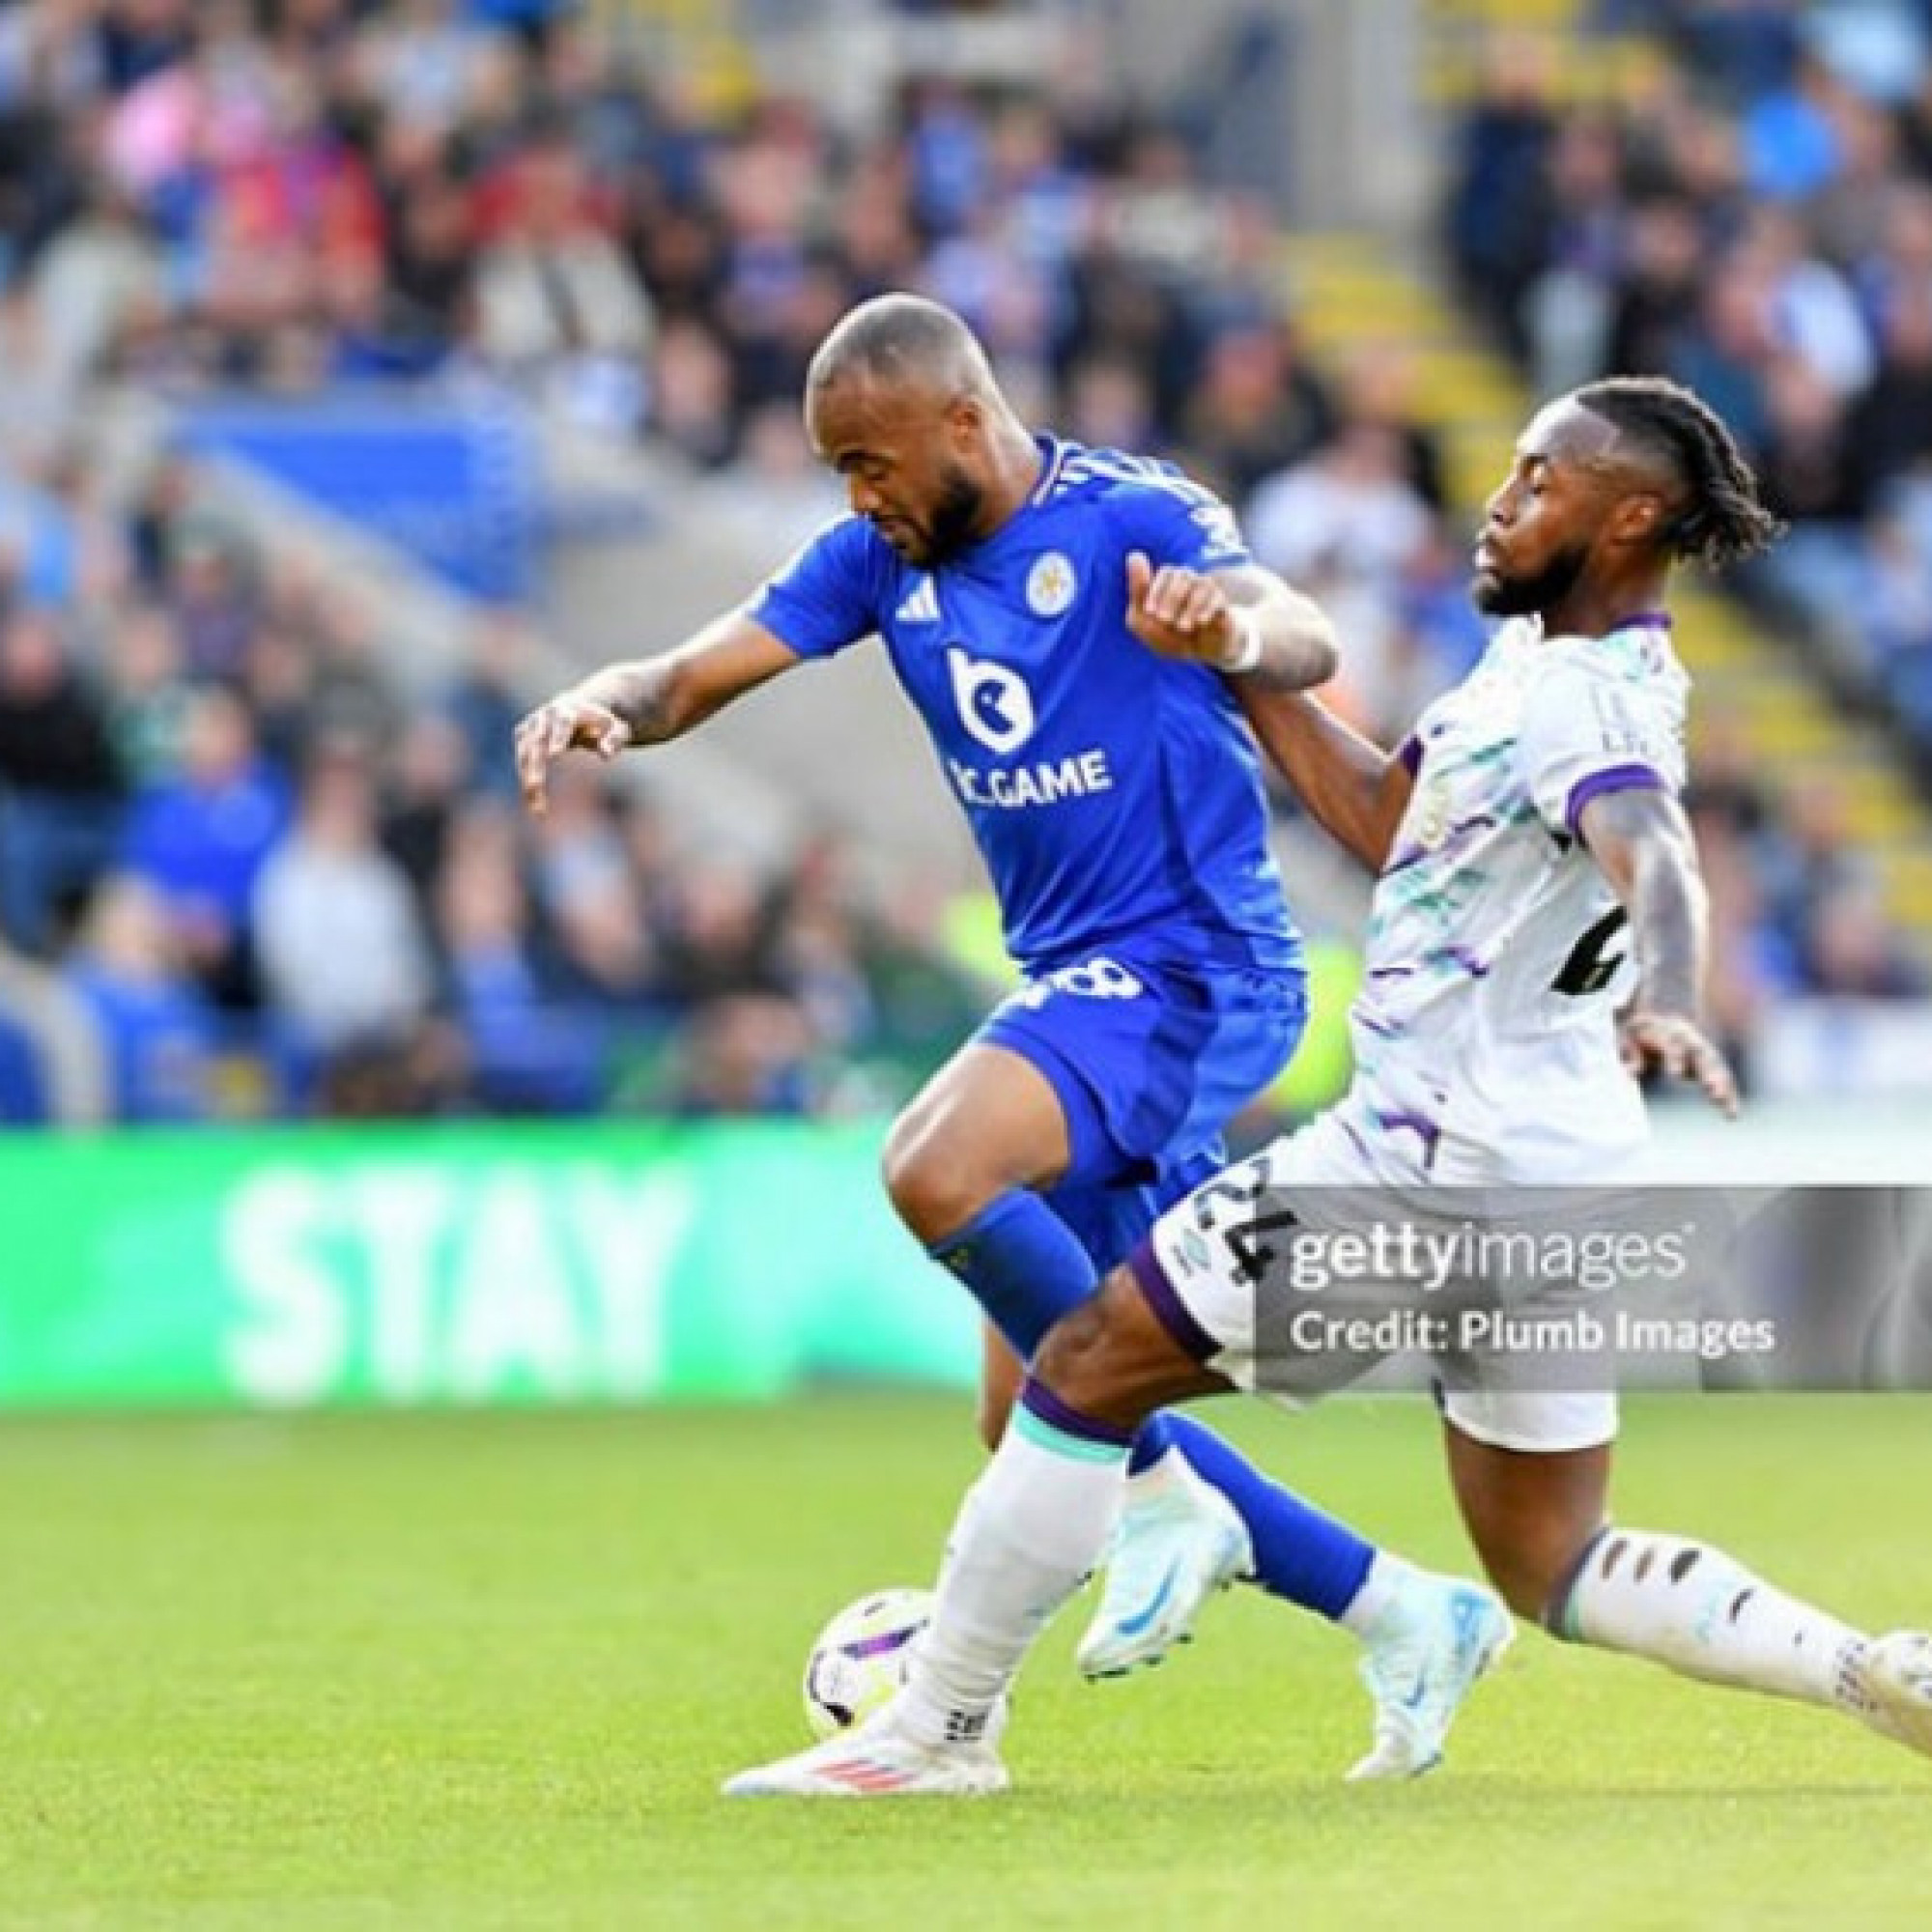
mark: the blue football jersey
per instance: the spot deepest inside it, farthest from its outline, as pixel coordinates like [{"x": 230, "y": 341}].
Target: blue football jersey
[{"x": 1113, "y": 794}]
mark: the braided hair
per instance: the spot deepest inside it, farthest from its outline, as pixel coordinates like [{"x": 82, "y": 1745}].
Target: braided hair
[{"x": 1724, "y": 520}]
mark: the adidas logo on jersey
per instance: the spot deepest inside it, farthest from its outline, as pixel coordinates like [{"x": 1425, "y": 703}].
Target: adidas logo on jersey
[{"x": 920, "y": 604}]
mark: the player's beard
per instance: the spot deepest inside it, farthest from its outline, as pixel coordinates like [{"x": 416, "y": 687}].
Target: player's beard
[
  {"x": 1525, "y": 596},
  {"x": 955, "y": 518}
]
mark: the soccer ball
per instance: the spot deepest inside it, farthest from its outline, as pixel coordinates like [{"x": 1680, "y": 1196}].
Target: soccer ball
[{"x": 860, "y": 1659}]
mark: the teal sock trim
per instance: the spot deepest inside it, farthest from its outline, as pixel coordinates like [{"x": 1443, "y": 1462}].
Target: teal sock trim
[{"x": 1044, "y": 1435}]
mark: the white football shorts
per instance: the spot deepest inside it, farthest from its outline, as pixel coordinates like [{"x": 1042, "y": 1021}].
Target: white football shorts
[{"x": 1292, "y": 1274}]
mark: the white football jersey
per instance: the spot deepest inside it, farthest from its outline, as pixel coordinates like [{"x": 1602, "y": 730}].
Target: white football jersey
[{"x": 1498, "y": 954}]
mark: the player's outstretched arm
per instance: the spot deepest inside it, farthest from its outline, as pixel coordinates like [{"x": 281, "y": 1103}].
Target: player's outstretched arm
[
  {"x": 1642, "y": 843},
  {"x": 649, "y": 701},
  {"x": 1243, "y": 621},
  {"x": 1354, "y": 789}
]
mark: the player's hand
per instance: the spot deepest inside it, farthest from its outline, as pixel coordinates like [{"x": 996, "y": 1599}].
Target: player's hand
[
  {"x": 1669, "y": 1043},
  {"x": 1181, "y": 613},
  {"x": 569, "y": 721}
]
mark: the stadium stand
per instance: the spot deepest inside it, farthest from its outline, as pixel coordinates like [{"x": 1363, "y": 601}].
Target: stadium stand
[{"x": 391, "y": 259}]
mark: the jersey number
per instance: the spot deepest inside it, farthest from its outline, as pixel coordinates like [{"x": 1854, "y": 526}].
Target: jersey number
[{"x": 1586, "y": 969}]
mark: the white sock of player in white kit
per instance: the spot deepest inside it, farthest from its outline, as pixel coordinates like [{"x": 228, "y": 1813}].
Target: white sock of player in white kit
[
  {"x": 1030, "y": 1531},
  {"x": 1692, "y": 1608}
]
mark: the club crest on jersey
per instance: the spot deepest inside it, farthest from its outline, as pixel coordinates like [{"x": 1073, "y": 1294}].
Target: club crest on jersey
[
  {"x": 994, "y": 703},
  {"x": 1051, "y": 584}
]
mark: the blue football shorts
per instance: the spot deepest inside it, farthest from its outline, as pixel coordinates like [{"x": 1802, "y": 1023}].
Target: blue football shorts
[{"x": 1151, "y": 1058}]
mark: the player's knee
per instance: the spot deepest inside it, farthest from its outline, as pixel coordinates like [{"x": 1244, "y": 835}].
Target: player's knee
[
  {"x": 933, "y": 1192},
  {"x": 935, "y": 1177}
]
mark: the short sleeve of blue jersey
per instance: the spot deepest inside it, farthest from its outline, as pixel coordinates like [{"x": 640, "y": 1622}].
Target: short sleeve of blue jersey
[
  {"x": 829, "y": 595},
  {"x": 1175, "y": 521}
]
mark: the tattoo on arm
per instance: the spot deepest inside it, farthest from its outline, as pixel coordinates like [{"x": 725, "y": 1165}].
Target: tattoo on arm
[{"x": 1643, "y": 842}]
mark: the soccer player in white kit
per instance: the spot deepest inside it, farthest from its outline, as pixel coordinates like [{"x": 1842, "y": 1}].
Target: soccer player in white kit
[{"x": 1536, "y": 943}]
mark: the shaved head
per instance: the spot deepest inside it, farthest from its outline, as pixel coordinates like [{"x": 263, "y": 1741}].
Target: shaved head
[
  {"x": 1632, "y": 457},
  {"x": 901, "y": 402},
  {"x": 1570, "y": 431},
  {"x": 903, "y": 341}
]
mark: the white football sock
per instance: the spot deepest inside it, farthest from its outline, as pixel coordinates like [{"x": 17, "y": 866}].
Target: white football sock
[
  {"x": 1030, "y": 1531},
  {"x": 1170, "y": 1472},
  {"x": 1692, "y": 1608},
  {"x": 1382, "y": 1589}
]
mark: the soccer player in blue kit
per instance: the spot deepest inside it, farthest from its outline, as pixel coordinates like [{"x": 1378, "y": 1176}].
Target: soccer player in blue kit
[{"x": 1017, "y": 582}]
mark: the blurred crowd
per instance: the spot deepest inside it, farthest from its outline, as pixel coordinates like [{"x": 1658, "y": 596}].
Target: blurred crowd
[
  {"x": 1754, "y": 217},
  {"x": 274, "y": 879},
  {"x": 268, "y": 882}
]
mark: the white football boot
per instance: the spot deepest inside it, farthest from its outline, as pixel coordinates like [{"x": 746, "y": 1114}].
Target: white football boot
[
  {"x": 1891, "y": 1687},
  {"x": 1177, "y": 1542},
  {"x": 876, "y": 1759},
  {"x": 1423, "y": 1656}
]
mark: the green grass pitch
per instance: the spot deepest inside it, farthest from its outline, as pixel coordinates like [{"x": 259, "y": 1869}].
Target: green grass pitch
[{"x": 486, "y": 1671}]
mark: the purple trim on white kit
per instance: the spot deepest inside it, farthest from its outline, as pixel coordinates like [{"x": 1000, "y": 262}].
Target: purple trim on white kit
[
  {"x": 1169, "y": 1311},
  {"x": 1613, "y": 777}
]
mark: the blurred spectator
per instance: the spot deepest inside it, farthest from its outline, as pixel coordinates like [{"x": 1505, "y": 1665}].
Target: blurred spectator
[
  {"x": 1791, "y": 141},
  {"x": 211, "y": 601},
  {"x": 351, "y": 696},
  {"x": 416, "y": 1076},
  {"x": 1109, "y": 405},
  {"x": 1853, "y": 953},
  {"x": 591, "y": 900},
  {"x": 1257, "y": 408},
  {"x": 747, "y": 1054},
  {"x": 1817, "y": 861},
  {"x": 99, "y": 272},
  {"x": 1811, "y": 311},
  {"x": 341, "y": 951},
  {"x": 160, "y": 1030},
  {"x": 776, "y": 493},
  {"x": 1378, "y": 390},
  {"x": 528, "y": 1051},
  {"x": 720, "y": 938},
  {"x": 201, "y": 836},
  {"x": 149, "y": 697},
  {"x": 429, "y": 782},
  {"x": 1495, "y": 226},
  {"x": 485, "y": 701},
  {"x": 24, "y": 1085},
  {"x": 1888, "y": 430},
  {"x": 1726, "y": 793},
  {"x": 1348, "y": 527},
  {"x": 1654, "y": 298},
  {"x": 555, "y": 300},
  {"x": 60, "y": 783},
  {"x": 693, "y": 395}
]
